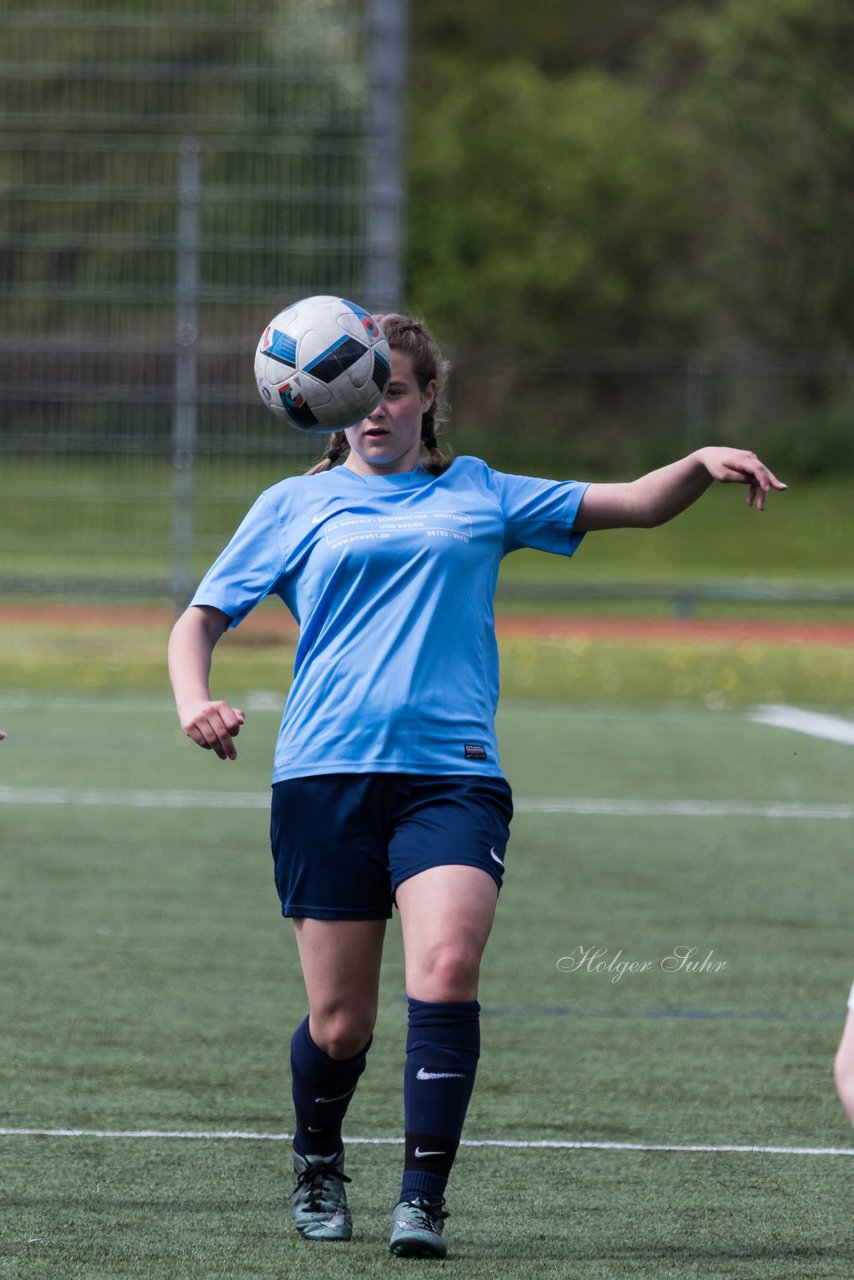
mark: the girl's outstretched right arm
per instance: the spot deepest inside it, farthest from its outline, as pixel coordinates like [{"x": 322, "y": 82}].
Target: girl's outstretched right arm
[{"x": 211, "y": 724}]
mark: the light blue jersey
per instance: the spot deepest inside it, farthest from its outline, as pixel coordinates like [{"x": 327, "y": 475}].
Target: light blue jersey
[{"x": 391, "y": 580}]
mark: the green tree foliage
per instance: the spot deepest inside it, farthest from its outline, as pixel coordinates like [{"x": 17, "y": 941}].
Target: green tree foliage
[
  {"x": 556, "y": 36},
  {"x": 772, "y": 109},
  {"x": 656, "y": 173},
  {"x": 548, "y": 210}
]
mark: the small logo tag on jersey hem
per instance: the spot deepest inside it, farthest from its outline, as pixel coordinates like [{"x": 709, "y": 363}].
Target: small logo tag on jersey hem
[{"x": 474, "y": 751}]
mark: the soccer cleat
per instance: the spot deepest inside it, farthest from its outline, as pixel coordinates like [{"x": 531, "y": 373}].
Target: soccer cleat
[
  {"x": 416, "y": 1229},
  {"x": 319, "y": 1199}
]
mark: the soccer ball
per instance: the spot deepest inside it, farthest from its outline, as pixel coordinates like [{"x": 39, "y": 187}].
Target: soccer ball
[{"x": 322, "y": 364}]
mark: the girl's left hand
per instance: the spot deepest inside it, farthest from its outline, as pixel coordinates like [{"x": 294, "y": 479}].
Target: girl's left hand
[{"x": 740, "y": 466}]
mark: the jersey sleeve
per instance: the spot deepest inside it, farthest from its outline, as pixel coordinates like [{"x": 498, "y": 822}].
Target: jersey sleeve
[
  {"x": 539, "y": 513},
  {"x": 248, "y": 569}
]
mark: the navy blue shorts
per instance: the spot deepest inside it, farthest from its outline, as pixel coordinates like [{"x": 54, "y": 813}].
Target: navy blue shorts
[{"x": 343, "y": 842}]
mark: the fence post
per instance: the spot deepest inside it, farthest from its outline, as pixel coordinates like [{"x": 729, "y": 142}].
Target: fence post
[
  {"x": 387, "y": 59},
  {"x": 186, "y": 353}
]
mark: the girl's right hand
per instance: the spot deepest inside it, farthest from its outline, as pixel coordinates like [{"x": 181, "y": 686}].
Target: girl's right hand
[{"x": 213, "y": 726}]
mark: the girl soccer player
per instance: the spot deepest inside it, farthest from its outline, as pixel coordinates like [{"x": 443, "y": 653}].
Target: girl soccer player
[{"x": 387, "y": 788}]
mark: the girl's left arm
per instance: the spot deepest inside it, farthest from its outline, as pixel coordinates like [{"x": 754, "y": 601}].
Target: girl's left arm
[{"x": 660, "y": 495}]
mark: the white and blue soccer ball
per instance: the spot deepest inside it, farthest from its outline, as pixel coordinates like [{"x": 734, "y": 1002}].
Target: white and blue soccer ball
[{"x": 322, "y": 364}]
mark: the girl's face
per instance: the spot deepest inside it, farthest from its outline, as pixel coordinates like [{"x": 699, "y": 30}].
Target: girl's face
[{"x": 390, "y": 438}]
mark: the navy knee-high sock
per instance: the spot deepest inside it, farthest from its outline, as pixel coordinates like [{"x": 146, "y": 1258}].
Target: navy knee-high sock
[
  {"x": 322, "y": 1089},
  {"x": 442, "y": 1049}
]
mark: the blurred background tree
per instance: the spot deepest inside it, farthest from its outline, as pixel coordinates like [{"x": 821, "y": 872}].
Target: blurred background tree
[
  {"x": 549, "y": 211},
  {"x": 772, "y": 105},
  {"x": 634, "y": 172}
]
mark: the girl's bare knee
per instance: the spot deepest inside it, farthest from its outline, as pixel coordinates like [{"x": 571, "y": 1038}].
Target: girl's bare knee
[
  {"x": 341, "y": 1033},
  {"x": 449, "y": 972}
]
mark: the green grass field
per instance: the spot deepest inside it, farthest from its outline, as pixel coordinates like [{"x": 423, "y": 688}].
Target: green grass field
[
  {"x": 111, "y": 657},
  {"x": 150, "y": 987}
]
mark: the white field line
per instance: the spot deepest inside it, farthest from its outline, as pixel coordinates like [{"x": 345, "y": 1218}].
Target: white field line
[
  {"x": 686, "y": 808},
  {"x": 815, "y": 724},
  {"x": 532, "y": 1144},
  {"x": 93, "y": 797},
  {"x": 135, "y": 799}
]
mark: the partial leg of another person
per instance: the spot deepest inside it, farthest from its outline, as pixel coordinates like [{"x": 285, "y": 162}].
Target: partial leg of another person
[{"x": 843, "y": 1064}]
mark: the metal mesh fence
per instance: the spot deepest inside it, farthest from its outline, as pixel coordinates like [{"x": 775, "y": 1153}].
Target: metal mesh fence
[{"x": 171, "y": 178}]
